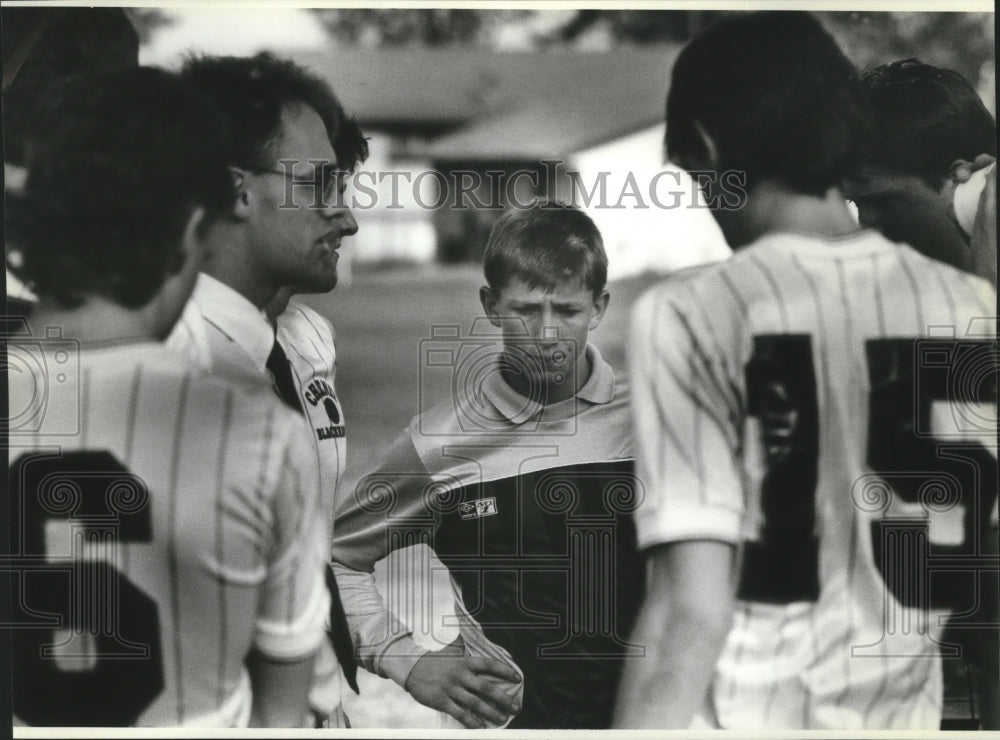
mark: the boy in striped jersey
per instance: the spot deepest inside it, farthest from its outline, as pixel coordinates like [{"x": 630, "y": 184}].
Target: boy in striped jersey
[
  {"x": 934, "y": 133},
  {"x": 167, "y": 522},
  {"x": 292, "y": 147},
  {"x": 819, "y": 474},
  {"x": 522, "y": 483}
]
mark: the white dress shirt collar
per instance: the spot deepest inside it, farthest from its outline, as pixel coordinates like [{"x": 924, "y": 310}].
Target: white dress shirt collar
[{"x": 236, "y": 317}]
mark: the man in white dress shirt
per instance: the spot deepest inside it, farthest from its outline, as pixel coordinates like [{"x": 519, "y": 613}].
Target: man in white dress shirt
[{"x": 292, "y": 146}]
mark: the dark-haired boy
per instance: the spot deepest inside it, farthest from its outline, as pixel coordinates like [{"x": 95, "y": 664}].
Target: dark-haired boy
[
  {"x": 932, "y": 131},
  {"x": 523, "y": 485},
  {"x": 42, "y": 46},
  {"x": 784, "y": 429},
  {"x": 165, "y": 526}
]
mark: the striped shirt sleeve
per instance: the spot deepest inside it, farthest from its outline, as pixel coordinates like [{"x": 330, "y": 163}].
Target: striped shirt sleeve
[
  {"x": 395, "y": 489},
  {"x": 295, "y": 602},
  {"x": 684, "y": 427}
]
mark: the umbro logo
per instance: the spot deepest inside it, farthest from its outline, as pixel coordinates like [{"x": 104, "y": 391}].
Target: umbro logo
[{"x": 478, "y": 508}]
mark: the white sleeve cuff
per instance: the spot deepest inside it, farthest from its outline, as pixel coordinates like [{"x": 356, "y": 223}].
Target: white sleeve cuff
[
  {"x": 301, "y": 637},
  {"x": 397, "y": 659},
  {"x": 677, "y": 523}
]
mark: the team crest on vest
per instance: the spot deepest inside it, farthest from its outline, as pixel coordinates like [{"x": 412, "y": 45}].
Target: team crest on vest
[
  {"x": 478, "y": 508},
  {"x": 320, "y": 391}
]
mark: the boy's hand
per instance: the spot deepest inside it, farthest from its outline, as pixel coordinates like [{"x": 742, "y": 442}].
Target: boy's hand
[{"x": 465, "y": 686}]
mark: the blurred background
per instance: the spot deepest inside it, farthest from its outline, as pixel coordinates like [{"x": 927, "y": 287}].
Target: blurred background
[
  {"x": 449, "y": 90},
  {"x": 479, "y": 91},
  {"x": 499, "y": 91}
]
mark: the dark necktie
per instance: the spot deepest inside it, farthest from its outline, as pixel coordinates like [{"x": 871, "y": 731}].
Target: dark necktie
[
  {"x": 340, "y": 634},
  {"x": 281, "y": 374}
]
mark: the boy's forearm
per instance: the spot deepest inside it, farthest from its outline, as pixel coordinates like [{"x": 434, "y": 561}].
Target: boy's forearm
[
  {"x": 280, "y": 691},
  {"x": 683, "y": 625},
  {"x": 385, "y": 645},
  {"x": 665, "y": 688}
]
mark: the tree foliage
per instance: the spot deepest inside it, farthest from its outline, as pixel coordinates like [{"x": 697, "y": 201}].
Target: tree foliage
[
  {"x": 414, "y": 27},
  {"x": 960, "y": 41}
]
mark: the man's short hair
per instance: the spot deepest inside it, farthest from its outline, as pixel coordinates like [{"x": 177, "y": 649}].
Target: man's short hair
[
  {"x": 776, "y": 95},
  {"x": 926, "y": 118},
  {"x": 254, "y": 92},
  {"x": 545, "y": 245},
  {"x": 128, "y": 155}
]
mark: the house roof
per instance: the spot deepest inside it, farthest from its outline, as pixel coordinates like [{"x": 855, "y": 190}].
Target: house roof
[
  {"x": 501, "y": 105},
  {"x": 553, "y": 128}
]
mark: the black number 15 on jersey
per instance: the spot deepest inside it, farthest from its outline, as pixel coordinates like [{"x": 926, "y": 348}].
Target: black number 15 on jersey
[{"x": 910, "y": 459}]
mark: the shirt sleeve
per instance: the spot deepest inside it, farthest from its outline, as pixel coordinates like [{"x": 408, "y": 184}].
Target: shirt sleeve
[
  {"x": 295, "y": 603},
  {"x": 686, "y": 423},
  {"x": 365, "y": 534}
]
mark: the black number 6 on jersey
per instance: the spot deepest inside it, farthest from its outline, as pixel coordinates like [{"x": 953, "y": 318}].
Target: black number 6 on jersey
[{"x": 86, "y": 640}]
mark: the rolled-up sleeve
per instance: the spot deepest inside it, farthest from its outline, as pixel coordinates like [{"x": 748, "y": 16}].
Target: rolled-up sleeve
[
  {"x": 685, "y": 429},
  {"x": 295, "y": 603}
]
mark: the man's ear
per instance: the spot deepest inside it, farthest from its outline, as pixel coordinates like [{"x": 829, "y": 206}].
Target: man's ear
[
  {"x": 961, "y": 170},
  {"x": 600, "y": 306},
  {"x": 192, "y": 240},
  {"x": 489, "y": 300},
  {"x": 241, "y": 206}
]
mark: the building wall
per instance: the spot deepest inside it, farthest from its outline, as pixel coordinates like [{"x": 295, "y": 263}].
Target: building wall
[
  {"x": 650, "y": 221},
  {"x": 386, "y": 196},
  {"x": 478, "y": 194},
  {"x": 647, "y": 223}
]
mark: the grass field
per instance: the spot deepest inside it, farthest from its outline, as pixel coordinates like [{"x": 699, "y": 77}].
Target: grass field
[{"x": 380, "y": 320}]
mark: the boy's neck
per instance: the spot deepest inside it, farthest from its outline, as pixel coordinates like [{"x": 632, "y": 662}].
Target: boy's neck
[
  {"x": 97, "y": 321},
  {"x": 551, "y": 393},
  {"x": 771, "y": 207}
]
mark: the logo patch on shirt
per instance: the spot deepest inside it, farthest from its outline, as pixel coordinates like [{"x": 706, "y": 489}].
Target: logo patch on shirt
[
  {"x": 321, "y": 391},
  {"x": 478, "y": 508}
]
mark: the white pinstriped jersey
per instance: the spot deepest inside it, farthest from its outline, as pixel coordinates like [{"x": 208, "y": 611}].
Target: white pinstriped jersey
[
  {"x": 783, "y": 403},
  {"x": 221, "y": 332},
  {"x": 172, "y": 521},
  {"x": 308, "y": 341}
]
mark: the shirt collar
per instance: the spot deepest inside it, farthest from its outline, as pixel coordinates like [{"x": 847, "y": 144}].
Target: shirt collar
[
  {"x": 236, "y": 317},
  {"x": 599, "y": 389}
]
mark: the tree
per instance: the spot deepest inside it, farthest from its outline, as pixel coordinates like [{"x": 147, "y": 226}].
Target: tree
[
  {"x": 414, "y": 27},
  {"x": 963, "y": 42}
]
